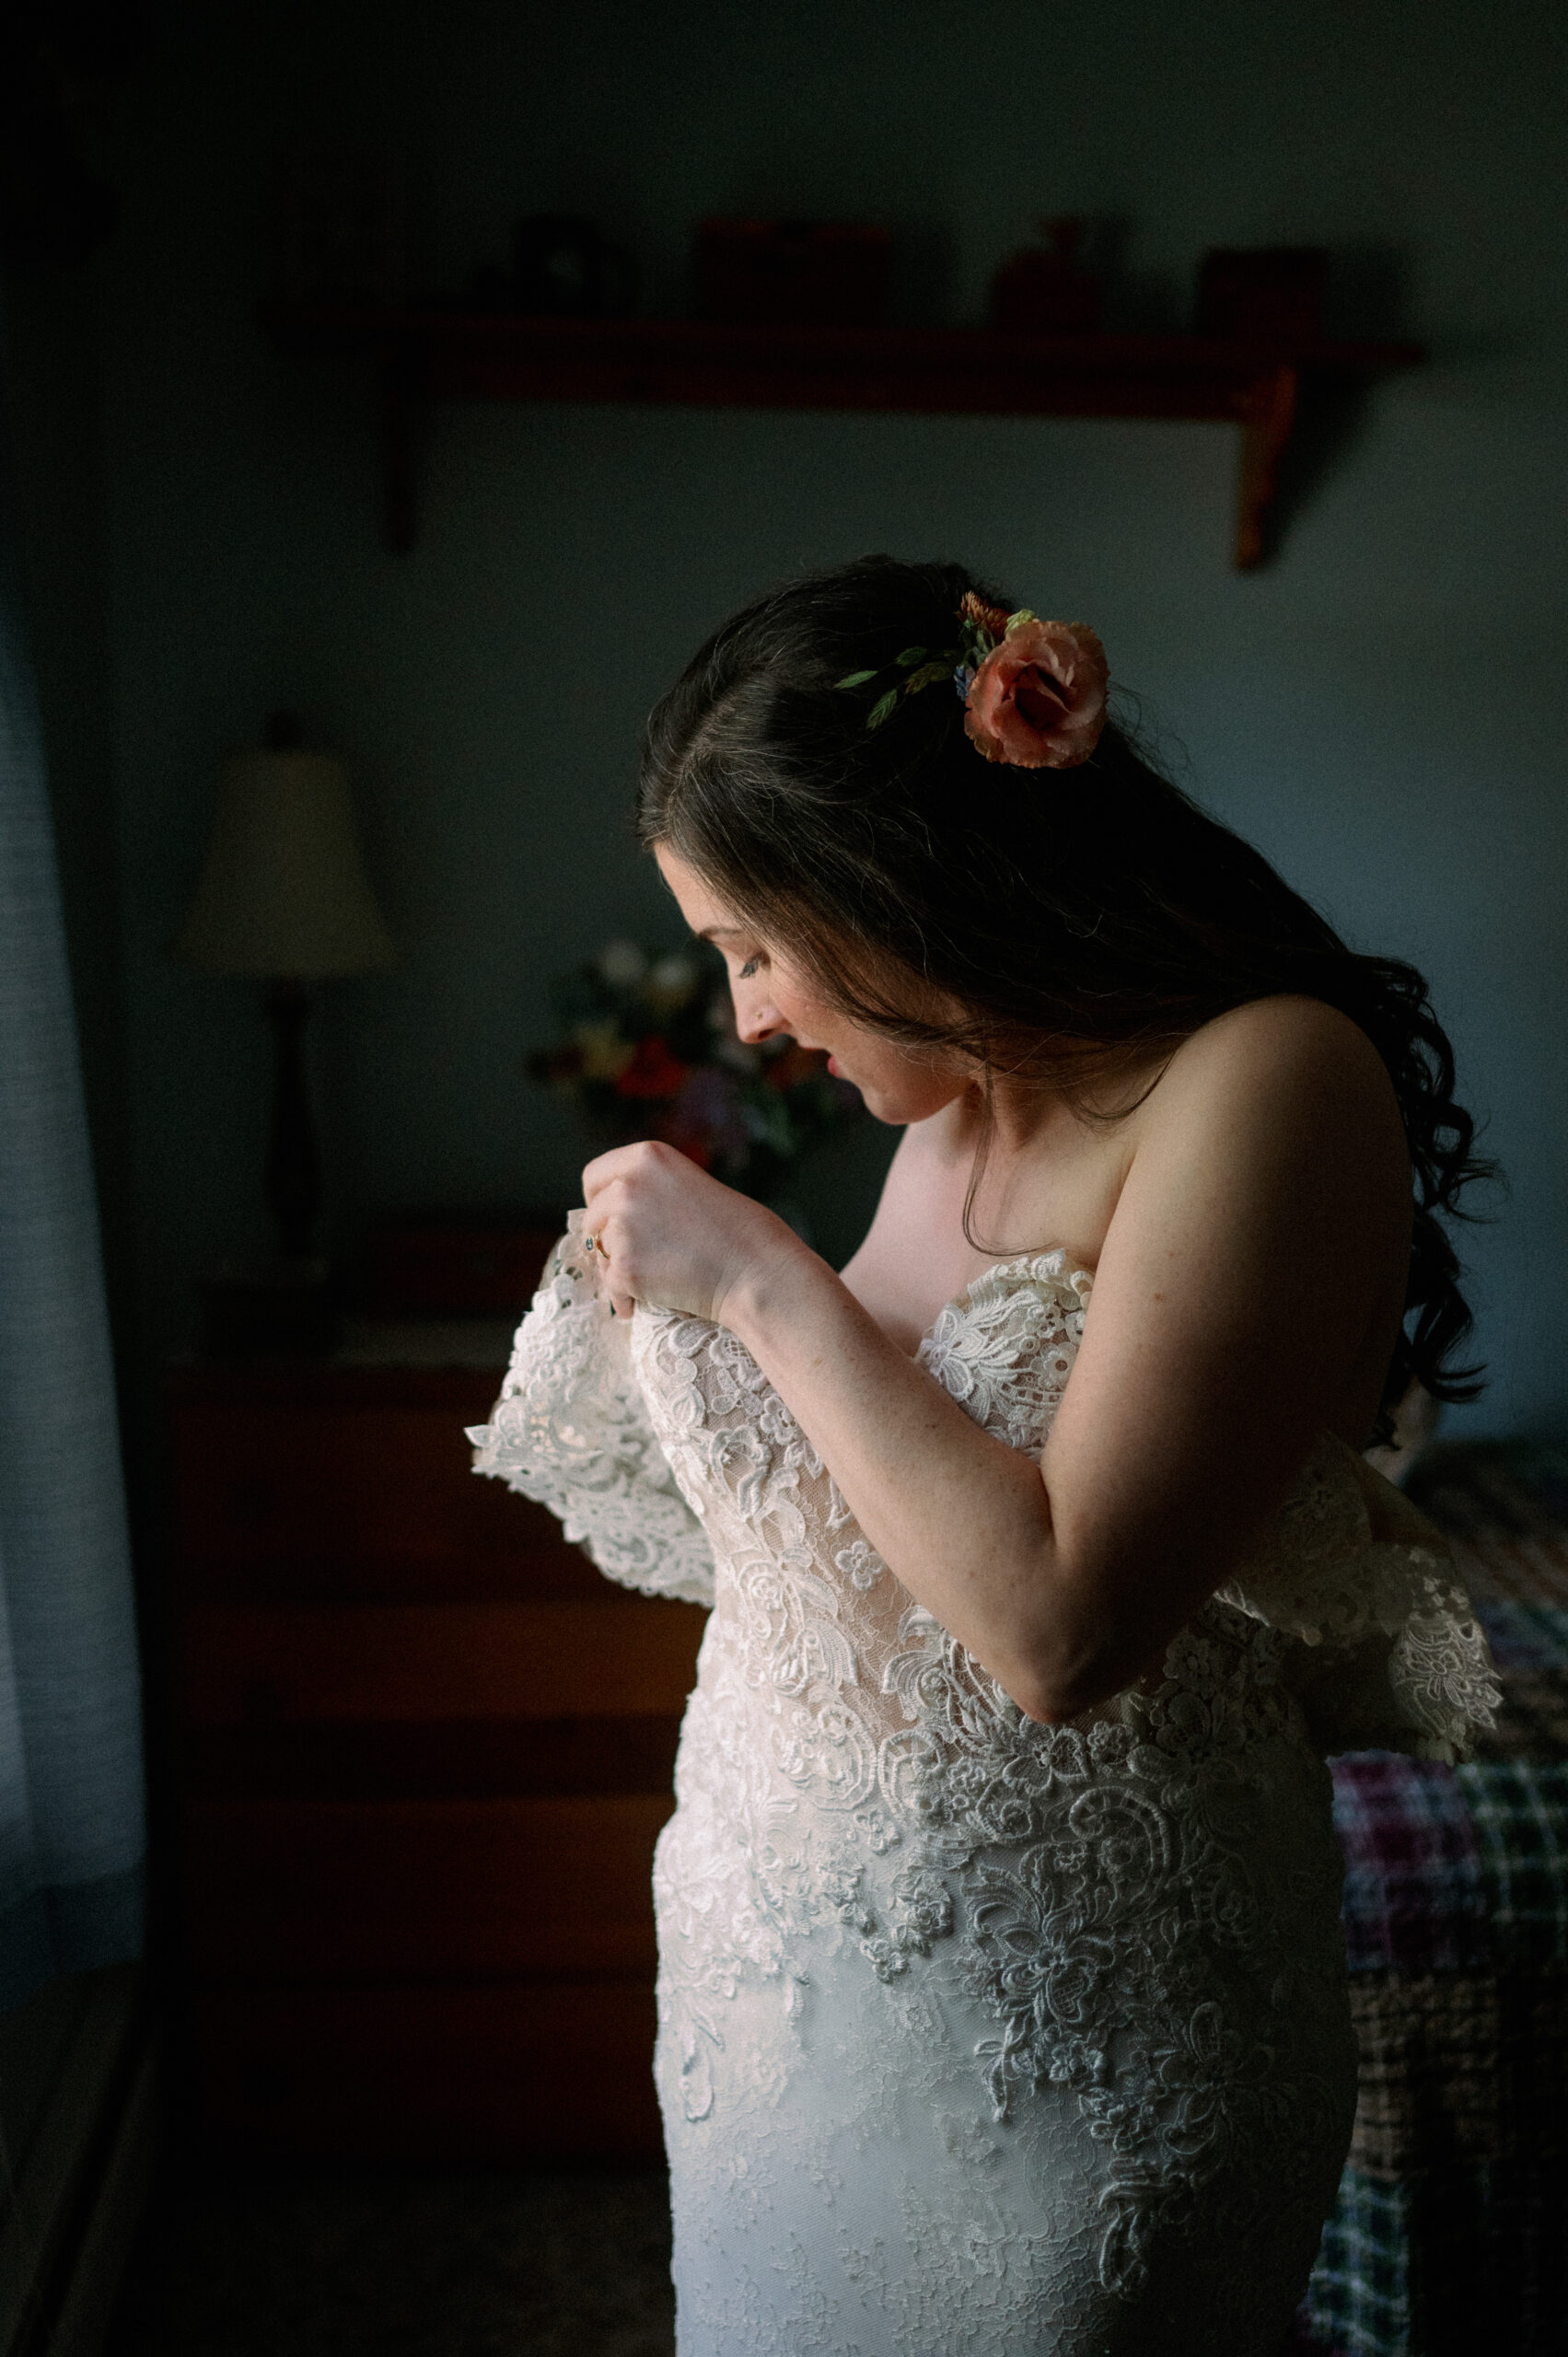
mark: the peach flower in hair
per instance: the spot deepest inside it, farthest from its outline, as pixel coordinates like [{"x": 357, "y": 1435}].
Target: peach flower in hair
[{"x": 1036, "y": 701}]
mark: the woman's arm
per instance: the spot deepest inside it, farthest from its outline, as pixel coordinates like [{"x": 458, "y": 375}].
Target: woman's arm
[{"x": 1251, "y": 1276}]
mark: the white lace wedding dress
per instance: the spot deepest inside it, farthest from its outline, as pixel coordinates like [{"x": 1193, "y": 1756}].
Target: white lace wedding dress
[{"x": 976, "y": 2035}]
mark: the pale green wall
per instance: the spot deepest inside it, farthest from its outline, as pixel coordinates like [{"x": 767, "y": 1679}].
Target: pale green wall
[{"x": 1383, "y": 711}]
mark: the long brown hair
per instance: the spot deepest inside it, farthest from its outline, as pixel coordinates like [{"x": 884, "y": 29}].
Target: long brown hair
[{"x": 1083, "y": 922}]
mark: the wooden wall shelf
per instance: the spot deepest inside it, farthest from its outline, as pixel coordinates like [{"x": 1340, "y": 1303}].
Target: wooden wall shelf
[{"x": 448, "y": 354}]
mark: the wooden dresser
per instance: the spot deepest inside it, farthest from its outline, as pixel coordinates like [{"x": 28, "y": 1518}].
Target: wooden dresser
[{"x": 425, "y": 1752}]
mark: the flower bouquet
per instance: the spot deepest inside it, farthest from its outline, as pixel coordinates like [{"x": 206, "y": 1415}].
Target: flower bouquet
[{"x": 650, "y": 1050}]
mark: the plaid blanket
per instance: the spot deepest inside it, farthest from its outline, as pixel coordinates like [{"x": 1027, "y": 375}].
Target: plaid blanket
[{"x": 1451, "y": 2229}]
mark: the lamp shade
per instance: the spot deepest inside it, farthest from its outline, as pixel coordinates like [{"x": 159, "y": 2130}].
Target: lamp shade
[{"x": 284, "y": 894}]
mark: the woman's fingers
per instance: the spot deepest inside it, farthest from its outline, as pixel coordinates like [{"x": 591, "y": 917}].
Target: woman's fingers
[
  {"x": 626, "y": 1163},
  {"x": 669, "y": 1233}
]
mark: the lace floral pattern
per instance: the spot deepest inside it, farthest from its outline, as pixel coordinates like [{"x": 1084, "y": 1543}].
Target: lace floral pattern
[
  {"x": 1402, "y": 1660},
  {"x": 1117, "y": 1939},
  {"x": 570, "y": 1430}
]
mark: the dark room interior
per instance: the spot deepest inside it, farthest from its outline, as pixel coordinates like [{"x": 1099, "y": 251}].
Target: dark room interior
[{"x": 393, "y": 399}]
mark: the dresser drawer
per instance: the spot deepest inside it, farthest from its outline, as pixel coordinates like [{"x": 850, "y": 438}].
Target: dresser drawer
[
  {"x": 356, "y": 1499},
  {"x": 263, "y": 1664},
  {"x": 426, "y": 1751},
  {"x": 484, "y": 2071},
  {"x": 325, "y": 1890}
]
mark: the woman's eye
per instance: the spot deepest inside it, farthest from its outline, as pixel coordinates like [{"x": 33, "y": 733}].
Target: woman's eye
[{"x": 747, "y": 969}]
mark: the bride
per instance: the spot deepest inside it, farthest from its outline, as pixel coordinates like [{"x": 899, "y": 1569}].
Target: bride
[{"x": 1002, "y": 2002}]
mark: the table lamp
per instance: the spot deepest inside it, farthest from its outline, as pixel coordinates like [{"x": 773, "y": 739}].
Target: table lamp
[{"x": 284, "y": 900}]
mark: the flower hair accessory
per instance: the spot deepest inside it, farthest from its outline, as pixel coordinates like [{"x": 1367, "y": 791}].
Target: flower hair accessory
[{"x": 1033, "y": 691}]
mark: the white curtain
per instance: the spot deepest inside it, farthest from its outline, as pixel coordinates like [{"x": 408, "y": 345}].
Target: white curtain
[{"x": 71, "y": 1813}]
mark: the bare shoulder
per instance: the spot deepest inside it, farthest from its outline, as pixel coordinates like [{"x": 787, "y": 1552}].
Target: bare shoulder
[
  {"x": 1306, "y": 1033},
  {"x": 1280, "y": 1114},
  {"x": 1287, "y": 1057},
  {"x": 1259, "y": 1248}
]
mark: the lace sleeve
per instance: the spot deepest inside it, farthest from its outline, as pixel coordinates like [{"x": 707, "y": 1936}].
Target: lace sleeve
[
  {"x": 1395, "y": 1657},
  {"x": 571, "y": 1431}
]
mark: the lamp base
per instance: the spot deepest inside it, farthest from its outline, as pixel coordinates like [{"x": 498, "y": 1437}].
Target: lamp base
[{"x": 288, "y": 1310}]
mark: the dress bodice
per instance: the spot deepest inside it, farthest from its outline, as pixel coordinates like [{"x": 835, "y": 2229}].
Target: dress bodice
[{"x": 668, "y": 1452}]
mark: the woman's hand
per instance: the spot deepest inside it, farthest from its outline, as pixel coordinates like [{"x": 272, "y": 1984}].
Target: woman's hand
[{"x": 676, "y": 1238}]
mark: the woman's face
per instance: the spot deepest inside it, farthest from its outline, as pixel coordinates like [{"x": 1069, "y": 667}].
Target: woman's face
[{"x": 771, "y": 996}]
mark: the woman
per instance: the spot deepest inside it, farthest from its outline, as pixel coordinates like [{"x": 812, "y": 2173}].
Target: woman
[{"x": 1002, "y": 1992}]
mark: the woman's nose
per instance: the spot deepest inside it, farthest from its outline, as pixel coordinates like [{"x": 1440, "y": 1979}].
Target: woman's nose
[{"x": 757, "y": 1022}]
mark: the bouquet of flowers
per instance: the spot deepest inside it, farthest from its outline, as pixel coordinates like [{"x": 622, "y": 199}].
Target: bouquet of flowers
[{"x": 651, "y": 1051}]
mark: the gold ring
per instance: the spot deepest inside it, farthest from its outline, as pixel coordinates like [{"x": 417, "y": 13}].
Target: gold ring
[{"x": 597, "y": 1244}]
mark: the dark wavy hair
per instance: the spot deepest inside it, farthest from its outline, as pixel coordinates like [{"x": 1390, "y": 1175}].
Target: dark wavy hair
[{"x": 1085, "y": 921}]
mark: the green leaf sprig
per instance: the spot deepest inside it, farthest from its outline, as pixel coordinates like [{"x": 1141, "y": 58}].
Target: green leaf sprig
[{"x": 922, "y": 668}]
